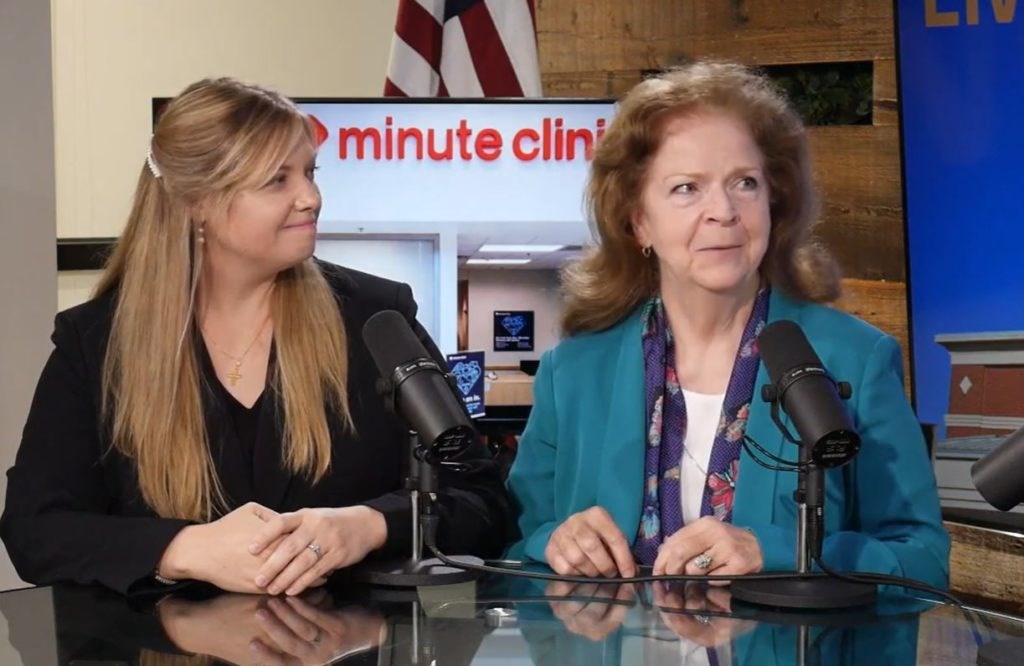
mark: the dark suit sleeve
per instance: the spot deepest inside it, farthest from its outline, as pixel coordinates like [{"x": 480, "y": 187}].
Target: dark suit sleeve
[
  {"x": 473, "y": 504},
  {"x": 56, "y": 522}
]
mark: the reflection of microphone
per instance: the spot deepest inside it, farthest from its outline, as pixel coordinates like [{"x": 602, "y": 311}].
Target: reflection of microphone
[
  {"x": 418, "y": 387},
  {"x": 806, "y": 392},
  {"x": 999, "y": 476}
]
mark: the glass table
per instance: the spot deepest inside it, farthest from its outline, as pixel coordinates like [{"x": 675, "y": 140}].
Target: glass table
[{"x": 500, "y": 620}]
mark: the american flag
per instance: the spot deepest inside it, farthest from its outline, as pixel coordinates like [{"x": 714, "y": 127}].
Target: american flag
[{"x": 464, "y": 48}]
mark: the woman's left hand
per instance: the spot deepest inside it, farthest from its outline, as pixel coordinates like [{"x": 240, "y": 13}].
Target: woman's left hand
[
  {"x": 722, "y": 549},
  {"x": 318, "y": 542}
]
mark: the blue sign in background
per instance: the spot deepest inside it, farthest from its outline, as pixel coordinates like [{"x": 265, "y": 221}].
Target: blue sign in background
[
  {"x": 513, "y": 330},
  {"x": 468, "y": 369},
  {"x": 962, "y": 101}
]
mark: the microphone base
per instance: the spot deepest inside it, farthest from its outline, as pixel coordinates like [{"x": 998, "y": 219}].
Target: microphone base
[
  {"x": 417, "y": 573},
  {"x": 1001, "y": 653},
  {"x": 814, "y": 593}
]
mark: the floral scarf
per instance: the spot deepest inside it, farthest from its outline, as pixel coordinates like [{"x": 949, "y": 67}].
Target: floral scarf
[{"x": 662, "y": 512}]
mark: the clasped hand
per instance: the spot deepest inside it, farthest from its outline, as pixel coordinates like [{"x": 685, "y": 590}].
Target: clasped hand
[{"x": 254, "y": 549}]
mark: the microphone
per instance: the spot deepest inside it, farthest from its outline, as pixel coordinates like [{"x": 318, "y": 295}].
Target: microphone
[
  {"x": 999, "y": 475},
  {"x": 420, "y": 393},
  {"x": 418, "y": 388},
  {"x": 808, "y": 394},
  {"x": 814, "y": 401}
]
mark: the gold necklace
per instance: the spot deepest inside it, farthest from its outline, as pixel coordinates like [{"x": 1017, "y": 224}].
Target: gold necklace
[{"x": 235, "y": 374}]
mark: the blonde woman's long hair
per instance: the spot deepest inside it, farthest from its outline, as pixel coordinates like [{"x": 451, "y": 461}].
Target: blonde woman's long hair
[{"x": 216, "y": 138}]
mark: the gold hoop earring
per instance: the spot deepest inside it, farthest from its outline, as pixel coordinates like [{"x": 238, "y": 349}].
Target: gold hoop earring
[{"x": 646, "y": 251}]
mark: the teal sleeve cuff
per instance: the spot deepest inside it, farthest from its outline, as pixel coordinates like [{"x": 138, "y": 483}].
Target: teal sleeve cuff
[
  {"x": 850, "y": 552},
  {"x": 778, "y": 546},
  {"x": 533, "y": 546}
]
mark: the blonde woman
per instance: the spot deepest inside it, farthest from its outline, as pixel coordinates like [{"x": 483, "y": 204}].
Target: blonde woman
[{"x": 210, "y": 414}]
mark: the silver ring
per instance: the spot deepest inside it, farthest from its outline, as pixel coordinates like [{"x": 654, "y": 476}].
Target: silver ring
[
  {"x": 702, "y": 619},
  {"x": 702, "y": 561},
  {"x": 316, "y": 550}
]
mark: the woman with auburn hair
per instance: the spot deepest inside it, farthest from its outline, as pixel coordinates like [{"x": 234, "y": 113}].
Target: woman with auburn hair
[
  {"x": 211, "y": 413},
  {"x": 703, "y": 202}
]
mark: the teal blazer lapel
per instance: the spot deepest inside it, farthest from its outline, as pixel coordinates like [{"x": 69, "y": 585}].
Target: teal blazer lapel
[
  {"x": 754, "y": 503},
  {"x": 621, "y": 469}
]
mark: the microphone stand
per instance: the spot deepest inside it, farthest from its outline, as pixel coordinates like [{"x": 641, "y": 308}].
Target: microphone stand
[
  {"x": 415, "y": 571},
  {"x": 817, "y": 590}
]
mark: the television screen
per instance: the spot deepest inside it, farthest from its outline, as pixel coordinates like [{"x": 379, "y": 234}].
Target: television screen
[{"x": 962, "y": 104}]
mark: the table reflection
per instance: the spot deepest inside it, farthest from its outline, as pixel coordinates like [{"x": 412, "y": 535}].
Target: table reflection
[
  {"x": 500, "y": 620},
  {"x": 696, "y": 625}
]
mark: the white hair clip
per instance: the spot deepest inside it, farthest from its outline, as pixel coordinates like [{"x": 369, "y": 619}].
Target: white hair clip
[{"x": 150, "y": 162}]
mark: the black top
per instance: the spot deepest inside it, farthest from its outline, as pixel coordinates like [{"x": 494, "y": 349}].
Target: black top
[
  {"x": 243, "y": 421},
  {"x": 74, "y": 510},
  {"x": 246, "y": 423}
]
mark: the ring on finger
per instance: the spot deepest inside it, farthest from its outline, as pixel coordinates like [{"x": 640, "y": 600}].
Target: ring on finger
[
  {"x": 702, "y": 561},
  {"x": 315, "y": 547}
]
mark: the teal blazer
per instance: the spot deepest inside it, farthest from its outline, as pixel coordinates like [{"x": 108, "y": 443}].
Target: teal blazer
[{"x": 584, "y": 446}]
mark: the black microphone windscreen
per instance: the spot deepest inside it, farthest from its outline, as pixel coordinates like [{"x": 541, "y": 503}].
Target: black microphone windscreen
[
  {"x": 783, "y": 346},
  {"x": 417, "y": 386},
  {"x": 391, "y": 342},
  {"x": 999, "y": 476}
]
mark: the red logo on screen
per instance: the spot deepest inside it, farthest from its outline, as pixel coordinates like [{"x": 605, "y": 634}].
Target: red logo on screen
[
  {"x": 318, "y": 129},
  {"x": 551, "y": 140}
]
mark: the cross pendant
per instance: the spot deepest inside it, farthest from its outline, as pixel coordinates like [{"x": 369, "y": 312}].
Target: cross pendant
[{"x": 234, "y": 375}]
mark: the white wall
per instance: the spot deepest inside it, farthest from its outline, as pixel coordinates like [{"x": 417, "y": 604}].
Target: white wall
[
  {"x": 28, "y": 271},
  {"x": 512, "y": 289},
  {"x": 111, "y": 57},
  {"x": 413, "y": 261},
  {"x": 74, "y": 287}
]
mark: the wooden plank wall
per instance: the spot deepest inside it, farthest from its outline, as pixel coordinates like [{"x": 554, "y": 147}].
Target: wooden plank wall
[{"x": 600, "y": 47}]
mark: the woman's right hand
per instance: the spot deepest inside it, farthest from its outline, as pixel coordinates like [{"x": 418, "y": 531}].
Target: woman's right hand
[
  {"x": 589, "y": 543},
  {"x": 218, "y": 552}
]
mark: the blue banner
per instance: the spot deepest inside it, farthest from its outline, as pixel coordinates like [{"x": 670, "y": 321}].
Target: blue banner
[
  {"x": 468, "y": 369},
  {"x": 962, "y": 101}
]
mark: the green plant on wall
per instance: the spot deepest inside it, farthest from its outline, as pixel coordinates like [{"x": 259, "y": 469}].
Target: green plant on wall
[{"x": 830, "y": 94}]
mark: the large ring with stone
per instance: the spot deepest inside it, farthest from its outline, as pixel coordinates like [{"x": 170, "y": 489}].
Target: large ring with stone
[
  {"x": 702, "y": 561},
  {"x": 316, "y": 550}
]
